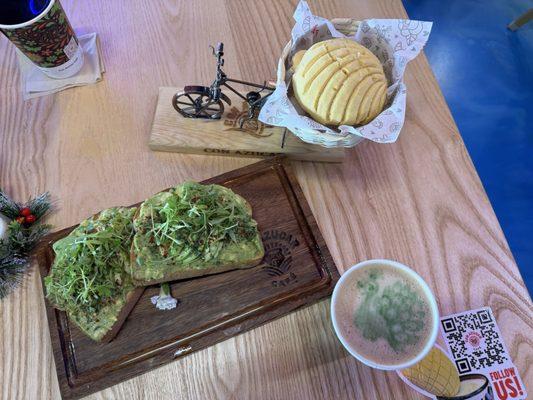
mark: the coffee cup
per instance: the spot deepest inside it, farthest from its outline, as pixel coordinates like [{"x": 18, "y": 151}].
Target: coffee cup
[
  {"x": 473, "y": 387},
  {"x": 384, "y": 314},
  {"x": 41, "y": 31}
]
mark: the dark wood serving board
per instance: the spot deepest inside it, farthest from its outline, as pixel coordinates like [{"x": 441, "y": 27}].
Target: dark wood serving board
[{"x": 297, "y": 270}]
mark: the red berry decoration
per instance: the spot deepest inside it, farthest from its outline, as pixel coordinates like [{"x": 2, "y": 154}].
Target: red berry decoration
[
  {"x": 25, "y": 212},
  {"x": 30, "y": 219},
  {"x": 20, "y": 220}
]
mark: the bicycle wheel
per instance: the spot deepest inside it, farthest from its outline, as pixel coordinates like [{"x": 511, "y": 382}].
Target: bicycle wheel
[{"x": 197, "y": 104}]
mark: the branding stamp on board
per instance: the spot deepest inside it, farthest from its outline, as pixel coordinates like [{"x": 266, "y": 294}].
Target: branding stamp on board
[{"x": 278, "y": 256}]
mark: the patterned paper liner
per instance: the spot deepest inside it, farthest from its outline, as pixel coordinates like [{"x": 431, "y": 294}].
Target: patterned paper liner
[{"x": 395, "y": 42}]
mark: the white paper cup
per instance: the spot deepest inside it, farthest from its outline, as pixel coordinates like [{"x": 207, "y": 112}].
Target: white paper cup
[{"x": 341, "y": 286}]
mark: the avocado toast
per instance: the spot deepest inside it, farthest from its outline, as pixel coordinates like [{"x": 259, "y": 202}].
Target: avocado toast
[
  {"x": 88, "y": 279},
  {"x": 193, "y": 230}
]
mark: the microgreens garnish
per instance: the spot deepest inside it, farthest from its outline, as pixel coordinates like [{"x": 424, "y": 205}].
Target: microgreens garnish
[
  {"x": 88, "y": 271},
  {"x": 196, "y": 222}
]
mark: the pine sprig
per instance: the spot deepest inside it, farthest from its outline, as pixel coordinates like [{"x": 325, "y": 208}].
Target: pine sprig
[
  {"x": 8, "y": 207},
  {"x": 12, "y": 269},
  {"x": 22, "y": 237},
  {"x": 22, "y": 240},
  {"x": 39, "y": 205}
]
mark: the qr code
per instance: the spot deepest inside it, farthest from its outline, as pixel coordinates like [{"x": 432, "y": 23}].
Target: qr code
[{"x": 474, "y": 341}]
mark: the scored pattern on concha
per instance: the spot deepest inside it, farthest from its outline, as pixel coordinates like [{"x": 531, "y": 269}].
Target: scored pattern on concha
[
  {"x": 340, "y": 82},
  {"x": 435, "y": 374}
]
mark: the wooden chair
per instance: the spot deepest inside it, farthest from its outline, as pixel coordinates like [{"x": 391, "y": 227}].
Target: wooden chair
[{"x": 521, "y": 20}]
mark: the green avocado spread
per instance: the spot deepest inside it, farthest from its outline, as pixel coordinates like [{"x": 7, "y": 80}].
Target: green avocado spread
[
  {"x": 193, "y": 226},
  {"x": 88, "y": 279}
]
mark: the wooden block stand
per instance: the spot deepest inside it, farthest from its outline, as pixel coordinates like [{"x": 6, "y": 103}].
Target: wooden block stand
[{"x": 172, "y": 132}]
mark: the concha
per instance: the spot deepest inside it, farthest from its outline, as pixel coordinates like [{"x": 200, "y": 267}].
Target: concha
[{"x": 340, "y": 82}]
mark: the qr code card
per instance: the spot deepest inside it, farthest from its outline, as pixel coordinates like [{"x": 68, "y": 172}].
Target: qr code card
[{"x": 476, "y": 345}]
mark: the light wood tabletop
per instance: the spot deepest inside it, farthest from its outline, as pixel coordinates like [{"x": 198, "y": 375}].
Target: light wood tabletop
[{"x": 418, "y": 201}]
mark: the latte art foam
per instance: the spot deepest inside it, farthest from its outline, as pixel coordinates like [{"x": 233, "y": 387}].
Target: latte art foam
[{"x": 384, "y": 314}]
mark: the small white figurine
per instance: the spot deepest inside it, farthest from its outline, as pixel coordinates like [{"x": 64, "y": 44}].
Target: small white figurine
[{"x": 164, "y": 301}]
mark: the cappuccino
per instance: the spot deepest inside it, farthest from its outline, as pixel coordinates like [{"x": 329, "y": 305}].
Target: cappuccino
[{"x": 384, "y": 314}]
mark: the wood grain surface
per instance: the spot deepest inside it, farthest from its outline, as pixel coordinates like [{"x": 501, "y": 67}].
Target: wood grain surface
[{"x": 418, "y": 201}]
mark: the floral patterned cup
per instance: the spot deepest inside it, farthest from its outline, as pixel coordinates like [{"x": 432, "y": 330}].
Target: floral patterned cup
[{"x": 49, "y": 41}]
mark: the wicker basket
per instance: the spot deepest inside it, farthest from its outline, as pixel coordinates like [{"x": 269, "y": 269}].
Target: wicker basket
[{"x": 348, "y": 27}]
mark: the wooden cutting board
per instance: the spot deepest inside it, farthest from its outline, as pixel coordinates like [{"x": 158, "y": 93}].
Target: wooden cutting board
[
  {"x": 296, "y": 271},
  {"x": 224, "y": 137}
]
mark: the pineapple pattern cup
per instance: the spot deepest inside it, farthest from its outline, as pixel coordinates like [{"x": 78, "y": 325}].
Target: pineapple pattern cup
[
  {"x": 48, "y": 41},
  {"x": 435, "y": 374}
]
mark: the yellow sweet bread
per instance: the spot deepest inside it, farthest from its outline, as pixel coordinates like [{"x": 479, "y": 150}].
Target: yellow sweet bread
[
  {"x": 435, "y": 373},
  {"x": 297, "y": 58},
  {"x": 340, "y": 82}
]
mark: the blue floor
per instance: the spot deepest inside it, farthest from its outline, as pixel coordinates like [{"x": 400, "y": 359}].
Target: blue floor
[{"x": 486, "y": 75}]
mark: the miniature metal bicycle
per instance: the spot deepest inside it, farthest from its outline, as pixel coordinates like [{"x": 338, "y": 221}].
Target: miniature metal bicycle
[{"x": 206, "y": 102}]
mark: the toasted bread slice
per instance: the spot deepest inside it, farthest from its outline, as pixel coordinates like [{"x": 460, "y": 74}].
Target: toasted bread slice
[
  {"x": 101, "y": 319},
  {"x": 150, "y": 263},
  {"x": 105, "y": 325}
]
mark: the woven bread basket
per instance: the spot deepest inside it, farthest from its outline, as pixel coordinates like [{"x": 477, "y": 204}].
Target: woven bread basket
[{"x": 348, "y": 27}]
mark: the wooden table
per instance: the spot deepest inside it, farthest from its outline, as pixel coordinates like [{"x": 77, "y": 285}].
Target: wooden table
[{"x": 418, "y": 201}]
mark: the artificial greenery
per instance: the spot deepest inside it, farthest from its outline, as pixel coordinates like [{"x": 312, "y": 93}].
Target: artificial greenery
[
  {"x": 23, "y": 239},
  {"x": 8, "y": 207},
  {"x": 88, "y": 271},
  {"x": 23, "y": 234},
  {"x": 195, "y": 221},
  {"x": 12, "y": 269},
  {"x": 39, "y": 205}
]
